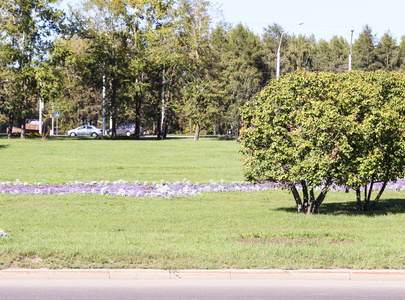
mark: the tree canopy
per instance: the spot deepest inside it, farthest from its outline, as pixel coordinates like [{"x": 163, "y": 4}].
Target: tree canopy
[
  {"x": 161, "y": 64},
  {"x": 309, "y": 131}
]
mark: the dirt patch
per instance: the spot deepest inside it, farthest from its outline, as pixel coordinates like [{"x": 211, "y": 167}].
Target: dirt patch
[
  {"x": 342, "y": 242},
  {"x": 283, "y": 240}
]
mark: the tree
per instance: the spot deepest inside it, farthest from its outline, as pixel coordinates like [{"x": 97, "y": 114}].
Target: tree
[
  {"x": 195, "y": 33},
  {"x": 387, "y": 52},
  {"x": 323, "y": 57},
  {"x": 118, "y": 32},
  {"x": 300, "y": 52},
  {"x": 219, "y": 78},
  {"x": 332, "y": 56},
  {"x": 401, "y": 55},
  {"x": 271, "y": 38},
  {"x": 69, "y": 83},
  {"x": 162, "y": 56},
  {"x": 26, "y": 28},
  {"x": 103, "y": 23},
  {"x": 244, "y": 71},
  {"x": 364, "y": 54},
  {"x": 373, "y": 109},
  {"x": 289, "y": 135},
  {"x": 148, "y": 23},
  {"x": 311, "y": 130}
]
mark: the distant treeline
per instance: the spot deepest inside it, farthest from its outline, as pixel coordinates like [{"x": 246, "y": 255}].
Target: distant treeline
[{"x": 158, "y": 64}]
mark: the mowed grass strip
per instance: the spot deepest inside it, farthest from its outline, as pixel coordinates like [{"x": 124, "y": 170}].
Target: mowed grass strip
[
  {"x": 211, "y": 231},
  {"x": 214, "y": 230},
  {"x": 60, "y": 160}
]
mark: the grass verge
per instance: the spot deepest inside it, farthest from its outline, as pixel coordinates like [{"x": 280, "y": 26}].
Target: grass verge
[
  {"x": 214, "y": 230},
  {"x": 211, "y": 231}
]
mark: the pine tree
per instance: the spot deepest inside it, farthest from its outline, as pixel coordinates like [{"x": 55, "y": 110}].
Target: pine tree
[
  {"x": 387, "y": 52},
  {"x": 364, "y": 54}
]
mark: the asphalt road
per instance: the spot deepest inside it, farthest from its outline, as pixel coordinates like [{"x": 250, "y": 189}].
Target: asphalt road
[{"x": 199, "y": 289}]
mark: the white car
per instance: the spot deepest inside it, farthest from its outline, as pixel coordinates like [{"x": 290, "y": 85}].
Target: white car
[{"x": 89, "y": 130}]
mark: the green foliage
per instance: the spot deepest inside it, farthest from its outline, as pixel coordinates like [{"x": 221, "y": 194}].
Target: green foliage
[
  {"x": 195, "y": 32},
  {"x": 387, "y": 52},
  {"x": 364, "y": 53},
  {"x": 26, "y": 28},
  {"x": 315, "y": 129},
  {"x": 331, "y": 56},
  {"x": 244, "y": 67},
  {"x": 165, "y": 64}
]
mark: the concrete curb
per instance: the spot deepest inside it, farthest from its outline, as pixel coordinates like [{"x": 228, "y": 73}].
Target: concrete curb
[{"x": 144, "y": 274}]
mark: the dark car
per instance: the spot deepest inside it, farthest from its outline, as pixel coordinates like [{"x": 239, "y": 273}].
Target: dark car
[
  {"x": 127, "y": 129},
  {"x": 124, "y": 129}
]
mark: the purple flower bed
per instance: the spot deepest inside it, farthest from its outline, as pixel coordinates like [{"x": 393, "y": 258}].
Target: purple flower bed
[
  {"x": 136, "y": 189},
  {"x": 157, "y": 190}
]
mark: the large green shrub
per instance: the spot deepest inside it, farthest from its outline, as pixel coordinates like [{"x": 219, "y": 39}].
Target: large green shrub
[{"x": 311, "y": 130}]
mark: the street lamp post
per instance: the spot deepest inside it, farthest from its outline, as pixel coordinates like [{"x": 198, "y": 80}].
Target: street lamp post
[
  {"x": 279, "y": 55},
  {"x": 350, "y": 54}
]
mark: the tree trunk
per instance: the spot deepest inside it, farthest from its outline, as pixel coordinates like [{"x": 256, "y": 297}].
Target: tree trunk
[
  {"x": 379, "y": 195},
  {"x": 137, "y": 116},
  {"x": 197, "y": 132},
  {"x": 358, "y": 199},
  {"x": 366, "y": 199},
  {"x": 317, "y": 203},
  {"x": 23, "y": 129},
  {"x": 163, "y": 110},
  {"x": 137, "y": 125},
  {"x": 305, "y": 195},
  {"x": 369, "y": 193},
  {"x": 158, "y": 129},
  {"x": 297, "y": 197},
  {"x": 312, "y": 202},
  {"x": 10, "y": 127},
  {"x": 113, "y": 129}
]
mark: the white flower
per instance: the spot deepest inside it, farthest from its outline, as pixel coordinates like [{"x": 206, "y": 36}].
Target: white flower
[
  {"x": 2, "y": 233},
  {"x": 104, "y": 190},
  {"x": 120, "y": 182}
]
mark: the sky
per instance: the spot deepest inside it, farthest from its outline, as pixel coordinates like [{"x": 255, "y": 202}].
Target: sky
[{"x": 322, "y": 18}]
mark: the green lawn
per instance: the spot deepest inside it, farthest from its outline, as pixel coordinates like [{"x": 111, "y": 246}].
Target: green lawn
[
  {"x": 60, "y": 160},
  {"x": 213, "y": 230}
]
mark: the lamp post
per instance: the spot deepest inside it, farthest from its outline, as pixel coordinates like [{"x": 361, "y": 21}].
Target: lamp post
[
  {"x": 350, "y": 54},
  {"x": 278, "y": 53}
]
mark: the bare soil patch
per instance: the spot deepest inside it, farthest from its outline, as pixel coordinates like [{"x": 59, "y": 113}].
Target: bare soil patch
[{"x": 283, "y": 240}]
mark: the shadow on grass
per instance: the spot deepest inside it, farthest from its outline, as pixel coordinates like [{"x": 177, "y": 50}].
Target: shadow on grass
[
  {"x": 384, "y": 207},
  {"x": 123, "y": 138},
  {"x": 171, "y": 138},
  {"x": 37, "y": 137}
]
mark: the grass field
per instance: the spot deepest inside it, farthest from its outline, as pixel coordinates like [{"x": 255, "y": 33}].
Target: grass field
[
  {"x": 213, "y": 230},
  {"x": 60, "y": 160}
]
